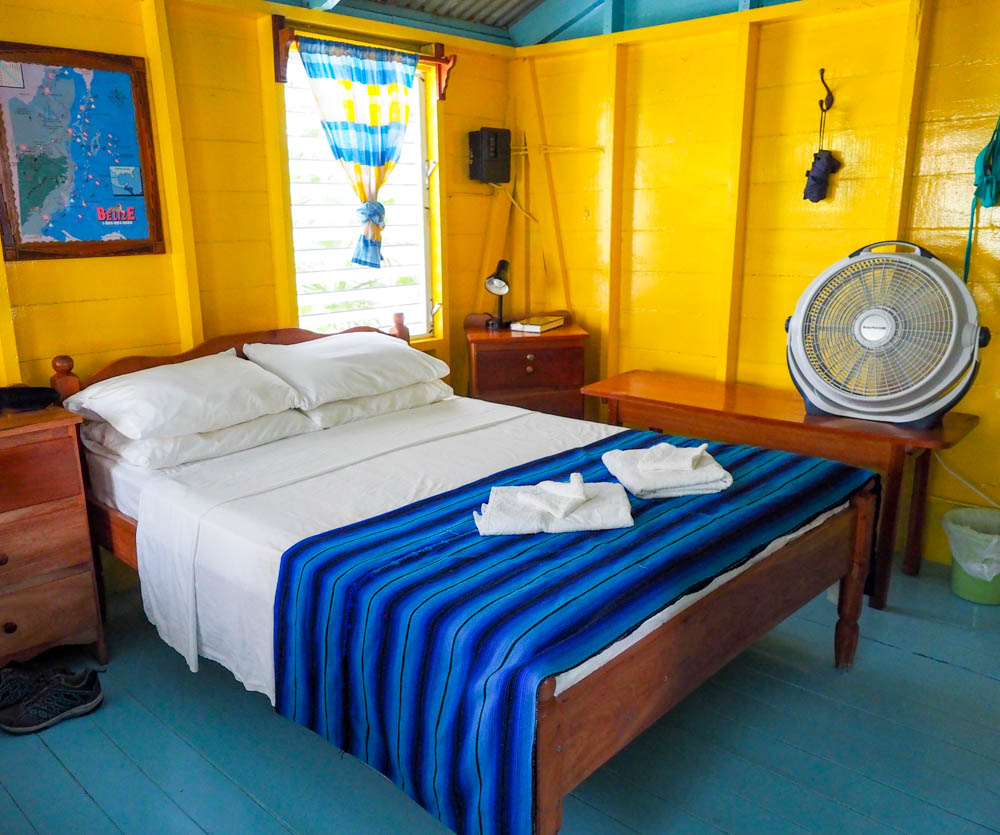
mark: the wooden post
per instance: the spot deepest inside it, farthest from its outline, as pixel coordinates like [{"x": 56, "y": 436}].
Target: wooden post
[
  {"x": 748, "y": 42},
  {"x": 533, "y": 122},
  {"x": 279, "y": 200},
  {"x": 64, "y": 381},
  {"x": 173, "y": 173},
  {"x": 611, "y": 336},
  {"x": 852, "y": 585},
  {"x": 918, "y": 513},
  {"x": 548, "y": 774},
  {"x": 918, "y": 17},
  {"x": 10, "y": 368}
]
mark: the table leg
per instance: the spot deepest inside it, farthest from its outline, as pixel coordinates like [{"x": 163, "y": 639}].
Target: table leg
[
  {"x": 918, "y": 513},
  {"x": 891, "y": 484},
  {"x": 614, "y": 415}
]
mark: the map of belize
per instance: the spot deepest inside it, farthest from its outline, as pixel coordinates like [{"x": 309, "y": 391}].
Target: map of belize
[{"x": 73, "y": 151}]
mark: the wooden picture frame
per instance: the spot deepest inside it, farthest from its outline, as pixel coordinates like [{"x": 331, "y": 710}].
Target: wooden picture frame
[{"x": 16, "y": 249}]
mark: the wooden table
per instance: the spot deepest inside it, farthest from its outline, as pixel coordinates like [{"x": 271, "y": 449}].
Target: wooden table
[{"x": 775, "y": 418}]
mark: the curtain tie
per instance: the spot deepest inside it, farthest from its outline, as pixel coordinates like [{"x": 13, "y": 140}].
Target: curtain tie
[{"x": 371, "y": 211}]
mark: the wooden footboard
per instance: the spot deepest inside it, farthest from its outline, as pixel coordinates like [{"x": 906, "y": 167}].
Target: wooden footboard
[{"x": 584, "y": 726}]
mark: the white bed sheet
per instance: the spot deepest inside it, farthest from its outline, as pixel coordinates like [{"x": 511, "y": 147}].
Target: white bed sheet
[
  {"x": 117, "y": 484},
  {"x": 211, "y": 533}
]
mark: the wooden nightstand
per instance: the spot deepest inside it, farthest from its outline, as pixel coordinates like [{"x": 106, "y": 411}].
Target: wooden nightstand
[
  {"x": 48, "y": 584},
  {"x": 543, "y": 371}
]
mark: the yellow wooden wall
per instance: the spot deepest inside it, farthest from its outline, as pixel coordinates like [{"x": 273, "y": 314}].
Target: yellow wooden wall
[
  {"x": 96, "y": 308},
  {"x": 217, "y": 119},
  {"x": 716, "y": 121},
  {"x": 664, "y": 167},
  {"x": 216, "y": 63},
  {"x": 957, "y": 111}
]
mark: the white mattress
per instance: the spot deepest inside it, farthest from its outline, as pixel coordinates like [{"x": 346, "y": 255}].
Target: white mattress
[{"x": 211, "y": 534}]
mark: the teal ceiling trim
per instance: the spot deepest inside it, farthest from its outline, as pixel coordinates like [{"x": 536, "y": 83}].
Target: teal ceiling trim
[
  {"x": 419, "y": 20},
  {"x": 614, "y": 15},
  {"x": 551, "y": 20},
  {"x": 559, "y": 20}
]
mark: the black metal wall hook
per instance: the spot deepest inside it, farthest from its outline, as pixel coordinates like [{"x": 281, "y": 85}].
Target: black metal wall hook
[{"x": 827, "y": 103}]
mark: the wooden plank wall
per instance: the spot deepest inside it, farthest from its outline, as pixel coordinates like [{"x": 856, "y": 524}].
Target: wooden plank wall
[
  {"x": 218, "y": 118},
  {"x": 98, "y": 308},
  {"x": 718, "y": 120}
]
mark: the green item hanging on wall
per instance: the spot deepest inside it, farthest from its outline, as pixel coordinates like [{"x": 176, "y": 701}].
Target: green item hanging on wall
[{"x": 987, "y": 187}]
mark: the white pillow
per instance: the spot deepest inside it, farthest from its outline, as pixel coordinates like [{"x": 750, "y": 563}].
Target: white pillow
[
  {"x": 358, "y": 408},
  {"x": 346, "y": 365},
  {"x": 156, "y": 453},
  {"x": 199, "y": 395}
]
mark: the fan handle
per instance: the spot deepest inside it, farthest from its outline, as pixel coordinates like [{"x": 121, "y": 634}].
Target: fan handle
[{"x": 926, "y": 253}]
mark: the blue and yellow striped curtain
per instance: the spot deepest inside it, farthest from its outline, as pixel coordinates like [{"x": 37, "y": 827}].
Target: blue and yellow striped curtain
[{"x": 363, "y": 97}]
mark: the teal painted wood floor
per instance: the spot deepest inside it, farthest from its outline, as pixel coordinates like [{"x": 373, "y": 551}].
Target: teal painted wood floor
[{"x": 779, "y": 741}]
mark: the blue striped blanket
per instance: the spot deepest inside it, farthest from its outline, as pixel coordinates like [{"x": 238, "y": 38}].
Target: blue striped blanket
[{"x": 418, "y": 646}]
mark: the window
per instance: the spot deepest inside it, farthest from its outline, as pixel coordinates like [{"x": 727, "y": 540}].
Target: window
[{"x": 333, "y": 293}]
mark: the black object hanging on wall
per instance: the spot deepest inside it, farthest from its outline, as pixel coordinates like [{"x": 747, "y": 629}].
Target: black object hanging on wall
[
  {"x": 489, "y": 155},
  {"x": 824, "y": 162}
]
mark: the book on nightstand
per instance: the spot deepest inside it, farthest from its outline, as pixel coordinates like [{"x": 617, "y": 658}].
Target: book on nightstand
[{"x": 538, "y": 324}]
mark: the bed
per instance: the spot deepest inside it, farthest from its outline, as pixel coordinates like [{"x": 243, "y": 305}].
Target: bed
[{"x": 242, "y": 504}]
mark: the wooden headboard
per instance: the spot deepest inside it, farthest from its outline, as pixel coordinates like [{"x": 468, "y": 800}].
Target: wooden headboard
[{"x": 66, "y": 383}]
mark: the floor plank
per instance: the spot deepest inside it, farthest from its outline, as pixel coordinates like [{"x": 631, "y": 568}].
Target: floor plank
[
  {"x": 45, "y": 792},
  {"x": 14, "y": 821},
  {"x": 127, "y": 795},
  {"x": 193, "y": 783},
  {"x": 778, "y": 742}
]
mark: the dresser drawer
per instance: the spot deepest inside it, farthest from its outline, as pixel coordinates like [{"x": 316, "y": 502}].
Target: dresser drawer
[
  {"x": 48, "y": 613},
  {"x": 531, "y": 368},
  {"x": 38, "y": 472},
  {"x": 39, "y": 540}
]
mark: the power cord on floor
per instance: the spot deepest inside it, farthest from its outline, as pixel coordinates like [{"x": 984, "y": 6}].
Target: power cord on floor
[{"x": 975, "y": 490}]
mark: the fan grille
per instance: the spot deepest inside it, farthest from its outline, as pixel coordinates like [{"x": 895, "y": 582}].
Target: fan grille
[{"x": 921, "y": 315}]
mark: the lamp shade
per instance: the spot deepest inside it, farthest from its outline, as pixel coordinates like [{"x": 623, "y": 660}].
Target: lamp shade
[{"x": 497, "y": 283}]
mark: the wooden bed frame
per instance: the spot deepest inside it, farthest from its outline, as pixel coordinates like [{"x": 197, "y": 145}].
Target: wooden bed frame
[{"x": 588, "y": 723}]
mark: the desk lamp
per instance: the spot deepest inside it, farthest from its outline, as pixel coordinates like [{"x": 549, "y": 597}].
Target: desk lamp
[{"x": 497, "y": 285}]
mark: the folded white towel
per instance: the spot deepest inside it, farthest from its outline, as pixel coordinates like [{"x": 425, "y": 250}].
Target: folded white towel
[
  {"x": 707, "y": 477},
  {"x": 606, "y": 507},
  {"x": 559, "y": 498},
  {"x": 669, "y": 457}
]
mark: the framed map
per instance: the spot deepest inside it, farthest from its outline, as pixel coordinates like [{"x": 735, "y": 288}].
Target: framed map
[{"x": 77, "y": 173}]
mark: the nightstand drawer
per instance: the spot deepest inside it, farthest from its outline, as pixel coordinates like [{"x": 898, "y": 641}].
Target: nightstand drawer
[
  {"x": 39, "y": 472},
  {"x": 562, "y": 402},
  {"x": 39, "y": 540},
  {"x": 48, "y": 613},
  {"x": 530, "y": 368}
]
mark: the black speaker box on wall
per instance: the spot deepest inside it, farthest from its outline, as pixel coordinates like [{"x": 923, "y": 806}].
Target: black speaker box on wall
[{"x": 489, "y": 155}]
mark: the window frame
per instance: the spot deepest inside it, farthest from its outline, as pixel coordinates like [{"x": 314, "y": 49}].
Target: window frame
[{"x": 430, "y": 164}]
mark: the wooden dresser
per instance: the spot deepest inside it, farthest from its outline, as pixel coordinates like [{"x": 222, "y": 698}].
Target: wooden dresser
[
  {"x": 48, "y": 584},
  {"x": 542, "y": 372}
]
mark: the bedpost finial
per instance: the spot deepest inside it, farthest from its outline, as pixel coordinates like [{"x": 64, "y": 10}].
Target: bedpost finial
[
  {"x": 398, "y": 328},
  {"x": 62, "y": 364},
  {"x": 64, "y": 381}
]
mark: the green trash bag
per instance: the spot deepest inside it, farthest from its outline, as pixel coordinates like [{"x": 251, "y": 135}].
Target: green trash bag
[{"x": 974, "y": 536}]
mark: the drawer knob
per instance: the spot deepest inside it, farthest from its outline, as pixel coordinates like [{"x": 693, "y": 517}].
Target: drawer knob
[
  {"x": 530, "y": 358},
  {"x": 4, "y": 559},
  {"x": 10, "y": 627},
  {"x": 528, "y": 369}
]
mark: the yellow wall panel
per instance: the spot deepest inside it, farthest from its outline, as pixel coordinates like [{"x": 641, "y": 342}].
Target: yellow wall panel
[
  {"x": 95, "y": 326},
  {"x": 678, "y": 114},
  {"x": 959, "y": 106},
  {"x": 90, "y": 305}
]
